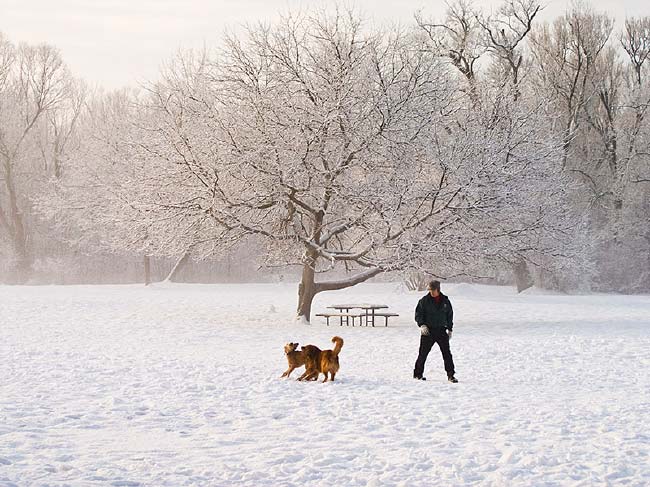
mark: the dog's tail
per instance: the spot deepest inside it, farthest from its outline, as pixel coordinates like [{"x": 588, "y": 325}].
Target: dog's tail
[{"x": 339, "y": 345}]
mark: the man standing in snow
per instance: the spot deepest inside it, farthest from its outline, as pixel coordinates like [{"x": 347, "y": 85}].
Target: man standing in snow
[{"x": 435, "y": 317}]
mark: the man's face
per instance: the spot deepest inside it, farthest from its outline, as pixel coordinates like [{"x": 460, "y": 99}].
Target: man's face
[{"x": 434, "y": 292}]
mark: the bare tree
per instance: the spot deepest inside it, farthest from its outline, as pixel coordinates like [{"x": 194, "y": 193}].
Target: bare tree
[
  {"x": 566, "y": 54},
  {"x": 635, "y": 39},
  {"x": 602, "y": 102},
  {"x": 57, "y": 131},
  {"x": 458, "y": 38},
  {"x": 634, "y": 155},
  {"x": 602, "y": 112},
  {"x": 33, "y": 83},
  {"x": 504, "y": 36},
  {"x": 340, "y": 147}
]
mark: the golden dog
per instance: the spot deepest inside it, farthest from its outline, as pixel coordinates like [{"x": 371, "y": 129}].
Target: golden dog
[
  {"x": 322, "y": 361},
  {"x": 298, "y": 358}
]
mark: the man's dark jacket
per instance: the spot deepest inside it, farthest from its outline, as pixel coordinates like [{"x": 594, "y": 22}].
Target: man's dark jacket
[{"x": 435, "y": 316}]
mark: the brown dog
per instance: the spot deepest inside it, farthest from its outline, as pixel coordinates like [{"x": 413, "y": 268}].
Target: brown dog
[
  {"x": 298, "y": 358},
  {"x": 323, "y": 362}
]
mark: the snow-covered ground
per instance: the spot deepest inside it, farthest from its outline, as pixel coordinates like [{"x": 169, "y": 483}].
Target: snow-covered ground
[{"x": 179, "y": 385}]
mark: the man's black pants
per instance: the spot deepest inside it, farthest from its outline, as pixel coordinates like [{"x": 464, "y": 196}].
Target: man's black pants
[{"x": 439, "y": 336}]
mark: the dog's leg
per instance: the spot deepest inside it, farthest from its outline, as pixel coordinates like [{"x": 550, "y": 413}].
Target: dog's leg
[
  {"x": 332, "y": 374},
  {"x": 311, "y": 374},
  {"x": 287, "y": 372}
]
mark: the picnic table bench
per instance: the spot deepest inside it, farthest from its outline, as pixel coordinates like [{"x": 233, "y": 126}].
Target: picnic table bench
[
  {"x": 347, "y": 317},
  {"x": 369, "y": 312},
  {"x": 386, "y": 316}
]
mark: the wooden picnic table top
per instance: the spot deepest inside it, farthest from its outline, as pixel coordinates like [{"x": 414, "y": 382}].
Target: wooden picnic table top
[{"x": 358, "y": 306}]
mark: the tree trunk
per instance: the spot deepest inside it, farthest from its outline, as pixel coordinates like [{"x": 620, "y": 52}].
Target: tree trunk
[
  {"x": 22, "y": 266},
  {"x": 17, "y": 233},
  {"x": 147, "y": 271},
  {"x": 178, "y": 267},
  {"x": 307, "y": 287},
  {"x": 523, "y": 279}
]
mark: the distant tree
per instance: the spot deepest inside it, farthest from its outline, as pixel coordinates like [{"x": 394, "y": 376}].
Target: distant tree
[
  {"x": 602, "y": 101},
  {"x": 35, "y": 91},
  {"x": 459, "y": 38},
  {"x": 629, "y": 172},
  {"x": 91, "y": 205},
  {"x": 566, "y": 55},
  {"x": 496, "y": 97},
  {"x": 504, "y": 34},
  {"x": 110, "y": 199}
]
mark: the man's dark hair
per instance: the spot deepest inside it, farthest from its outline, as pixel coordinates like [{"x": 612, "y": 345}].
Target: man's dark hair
[{"x": 434, "y": 285}]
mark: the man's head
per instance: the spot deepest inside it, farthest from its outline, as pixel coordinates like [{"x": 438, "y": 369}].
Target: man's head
[{"x": 434, "y": 288}]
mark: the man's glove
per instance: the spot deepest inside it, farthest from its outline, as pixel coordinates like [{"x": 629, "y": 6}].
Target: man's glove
[
  {"x": 449, "y": 334},
  {"x": 424, "y": 330}
]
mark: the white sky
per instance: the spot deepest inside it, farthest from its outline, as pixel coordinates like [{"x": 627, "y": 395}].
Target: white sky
[{"x": 118, "y": 42}]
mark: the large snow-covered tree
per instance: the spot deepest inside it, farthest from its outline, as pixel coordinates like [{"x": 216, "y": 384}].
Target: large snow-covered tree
[
  {"x": 335, "y": 147},
  {"x": 330, "y": 144}
]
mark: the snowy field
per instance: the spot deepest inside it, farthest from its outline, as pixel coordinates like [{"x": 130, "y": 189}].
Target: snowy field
[{"x": 179, "y": 385}]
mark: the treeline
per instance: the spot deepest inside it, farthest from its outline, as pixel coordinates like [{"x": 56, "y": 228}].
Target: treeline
[{"x": 477, "y": 146}]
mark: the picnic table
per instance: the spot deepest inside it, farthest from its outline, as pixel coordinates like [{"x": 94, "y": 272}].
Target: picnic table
[{"x": 369, "y": 313}]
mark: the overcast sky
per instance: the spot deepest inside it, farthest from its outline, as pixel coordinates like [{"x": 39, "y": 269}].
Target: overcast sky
[{"x": 118, "y": 42}]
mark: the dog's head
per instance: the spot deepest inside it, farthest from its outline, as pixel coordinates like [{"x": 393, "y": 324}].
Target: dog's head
[{"x": 290, "y": 347}]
